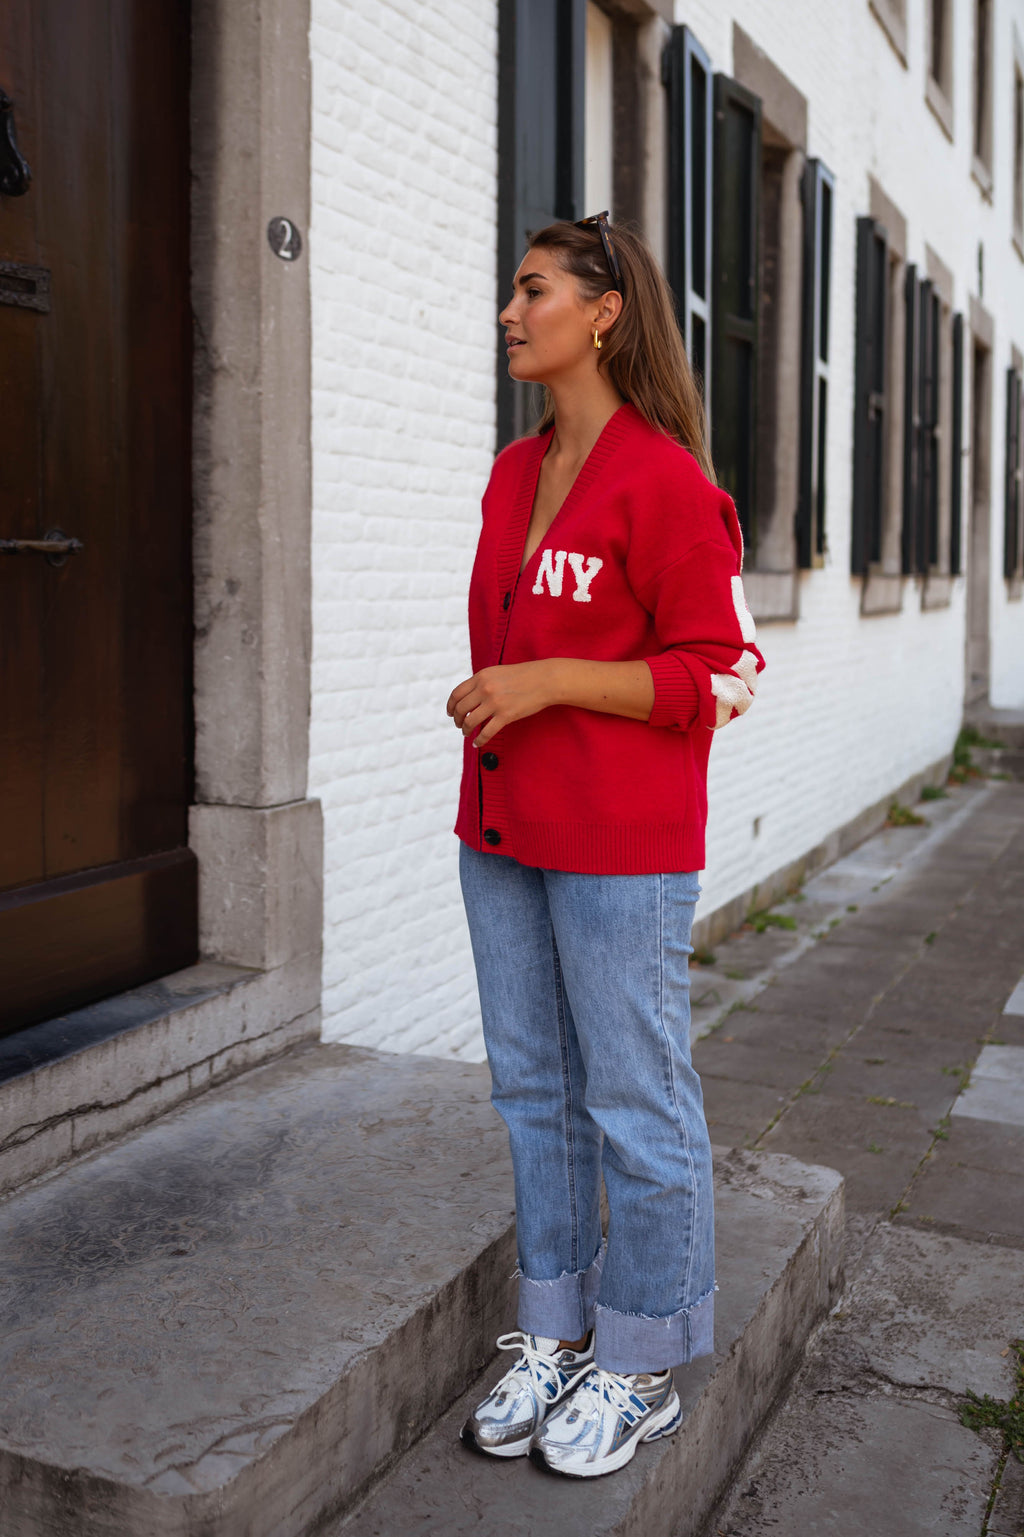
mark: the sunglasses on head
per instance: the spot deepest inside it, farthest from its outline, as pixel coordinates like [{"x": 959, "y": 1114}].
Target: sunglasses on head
[{"x": 601, "y": 220}]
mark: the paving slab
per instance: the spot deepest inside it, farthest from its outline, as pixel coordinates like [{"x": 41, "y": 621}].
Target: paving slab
[
  {"x": 850, "y": 1466},
  {"x": 1007, "y": 1516},
  {"x": 1015, "y": 1003},
  {"x": 925, "y": 1311},
  {"x": 996, "y": 1089},
  {"x": 778, "y": 1236},
  {"x": 868, "y": 1439},
  {"x": 225, "y": 1323}
]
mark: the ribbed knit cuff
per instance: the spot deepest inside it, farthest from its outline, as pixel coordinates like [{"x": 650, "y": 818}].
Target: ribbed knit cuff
[{"x": 676, "y": 695}]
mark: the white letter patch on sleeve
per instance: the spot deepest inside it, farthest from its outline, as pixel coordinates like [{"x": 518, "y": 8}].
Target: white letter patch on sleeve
[
  {"x": 748, "y": 629},
  {"x": 734, "y": 690}
]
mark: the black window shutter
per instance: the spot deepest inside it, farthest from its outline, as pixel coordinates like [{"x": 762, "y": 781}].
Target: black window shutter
[
  {"x": 686, "y": 73},
  {"x": 818, "y": 186},
  {"x": 928, "y": 461},
  {"x": 911, "y": 425},
  {"x": 541, "y": 63},
  {"x": 1013, "y": 533},
  {"x": 956, "y": 448},
  {"x": 735, "y": 292},
  {"x": 870, "y": 408}
]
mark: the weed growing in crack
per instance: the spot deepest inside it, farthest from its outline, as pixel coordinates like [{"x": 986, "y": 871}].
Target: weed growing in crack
[
  {"x": 761, "y": 921},
  {"x": 988, "y": 1413},
  {"x": 904, "y": 816}
]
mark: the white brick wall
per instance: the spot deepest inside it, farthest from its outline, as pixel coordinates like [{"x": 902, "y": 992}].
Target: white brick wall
[
  {"x": 404, "y": 339},
  {"x": 404, "y": 186}
]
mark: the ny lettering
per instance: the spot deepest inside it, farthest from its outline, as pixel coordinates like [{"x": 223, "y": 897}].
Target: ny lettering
[{"x": 552, "y": 571}]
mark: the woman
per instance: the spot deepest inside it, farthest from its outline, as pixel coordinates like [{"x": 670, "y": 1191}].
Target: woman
[{"x": 609, "y": 638}]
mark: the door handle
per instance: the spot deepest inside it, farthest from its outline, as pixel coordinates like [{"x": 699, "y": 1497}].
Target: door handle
[
  {"x": 15, "y": 174},
  {"x": 55, "y": 545}
]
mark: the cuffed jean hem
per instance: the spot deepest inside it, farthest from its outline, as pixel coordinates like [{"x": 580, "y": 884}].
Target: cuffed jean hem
[
  {"x": 633, "y": 1342},
  {"x": 562, "y": 1309}
]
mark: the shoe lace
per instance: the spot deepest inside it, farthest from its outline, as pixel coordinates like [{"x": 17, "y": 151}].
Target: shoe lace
[
  {"x": 605, "y": 1385},
  {"x": 539, "y": 1366}
]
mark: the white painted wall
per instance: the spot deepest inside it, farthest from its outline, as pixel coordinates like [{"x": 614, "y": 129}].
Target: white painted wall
[
  {"x": 404, "y": 342},
  {"x": 404, "y": 187}
]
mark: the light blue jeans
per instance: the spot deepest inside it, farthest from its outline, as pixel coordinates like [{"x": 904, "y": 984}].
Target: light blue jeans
[{"x": 586, "y": 1012}]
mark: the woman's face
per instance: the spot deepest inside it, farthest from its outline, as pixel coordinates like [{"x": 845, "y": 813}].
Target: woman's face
[{"x": 549, "y": 329}]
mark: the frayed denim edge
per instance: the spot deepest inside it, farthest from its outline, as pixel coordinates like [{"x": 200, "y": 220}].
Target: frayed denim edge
[
  {"x": 640, "y": 1342},
  {"x": 562, "y": 1307}
]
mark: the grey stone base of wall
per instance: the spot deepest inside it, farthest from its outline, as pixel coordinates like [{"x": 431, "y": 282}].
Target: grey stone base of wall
[{"x": 707, "y": 931}]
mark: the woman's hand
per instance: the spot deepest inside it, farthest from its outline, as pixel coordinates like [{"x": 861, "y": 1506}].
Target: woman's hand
[{"x": 494, "y": 696}]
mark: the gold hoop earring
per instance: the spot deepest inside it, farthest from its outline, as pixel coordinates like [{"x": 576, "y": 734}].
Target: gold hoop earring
[{"x": 597, "y": 339}]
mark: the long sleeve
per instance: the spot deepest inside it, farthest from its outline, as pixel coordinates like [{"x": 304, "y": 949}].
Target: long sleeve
[{"x": 707, "y": 671}]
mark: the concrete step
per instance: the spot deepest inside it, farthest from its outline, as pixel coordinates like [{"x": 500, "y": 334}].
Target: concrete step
[
  {"x": 1005, "y": 726},
  {"x": 779, "y": 1238},
  {"x": 225, "y": 1324},
  {"x": 1000, "y": 762},
  {"x": 231, "y": 1323}
]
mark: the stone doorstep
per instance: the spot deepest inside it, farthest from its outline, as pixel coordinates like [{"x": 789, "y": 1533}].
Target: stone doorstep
[
  {"x": 230, "y": 1322},
  {"x": 779, "y": 1239},
  {"x": 224, "y": 1323}
]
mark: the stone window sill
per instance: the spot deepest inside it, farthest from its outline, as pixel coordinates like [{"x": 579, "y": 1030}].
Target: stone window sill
[
  {"x": 937, "y": 591},
  {"x": 893, "y": 24},
  {"x": 983, "y": 176},
  {"x": 941, "y": 106},
  {"x": 882, "y": 593},
  {"x": 772, "y": 596}
]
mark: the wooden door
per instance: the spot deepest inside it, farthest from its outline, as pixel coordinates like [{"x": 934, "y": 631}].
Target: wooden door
[{"x": 97, "y": 887}]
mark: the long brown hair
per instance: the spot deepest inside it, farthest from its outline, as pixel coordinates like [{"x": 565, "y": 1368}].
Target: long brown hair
[{"x": 642, "y": 354}]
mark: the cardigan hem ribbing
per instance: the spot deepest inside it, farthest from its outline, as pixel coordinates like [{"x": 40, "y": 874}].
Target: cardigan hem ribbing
[{"x": 627, "y": 848}]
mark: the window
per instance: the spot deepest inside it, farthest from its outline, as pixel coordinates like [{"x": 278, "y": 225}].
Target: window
[
  {"x": 735, "y": 293},
  {"x": 979, "y": 540},
  {"x": 599, "y": 109},
  {"x": 818, "y": 184},
  {"x": 579, "y": 130},
  {"x": 982, "y": 105},
  {"x": 871, "y": 396},
  {"x": 541, "y": 61},
  {"x": 1018, "y": 145},
  {"x": 939, "y": 79},
  {"x": 908, "y": 408},
  {"x": 752, "y": 292},
  {"x": 687, "y": 73},
  {"x": 932, "y": 397},
  {"x": 956, "y": 457},
  {"x": 1013, "y": 527}
]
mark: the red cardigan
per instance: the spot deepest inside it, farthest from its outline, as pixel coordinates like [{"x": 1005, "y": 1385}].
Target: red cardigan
[{"x": 642, "y": 561}]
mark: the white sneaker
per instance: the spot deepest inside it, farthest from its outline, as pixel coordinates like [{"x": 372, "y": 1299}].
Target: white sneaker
[
  {"x": 505, "y": 1422},
  {"x": 599, "y": 1427}
]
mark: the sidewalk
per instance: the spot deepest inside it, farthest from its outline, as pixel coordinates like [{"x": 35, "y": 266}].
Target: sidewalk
[{"x": 891, "y": 1048}]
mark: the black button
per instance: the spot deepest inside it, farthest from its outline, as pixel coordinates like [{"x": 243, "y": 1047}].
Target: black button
[
  {"x": 492, "y": 836},
  {"x": 489, "y": 760},
  {"x": 506, "y": 600}
]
